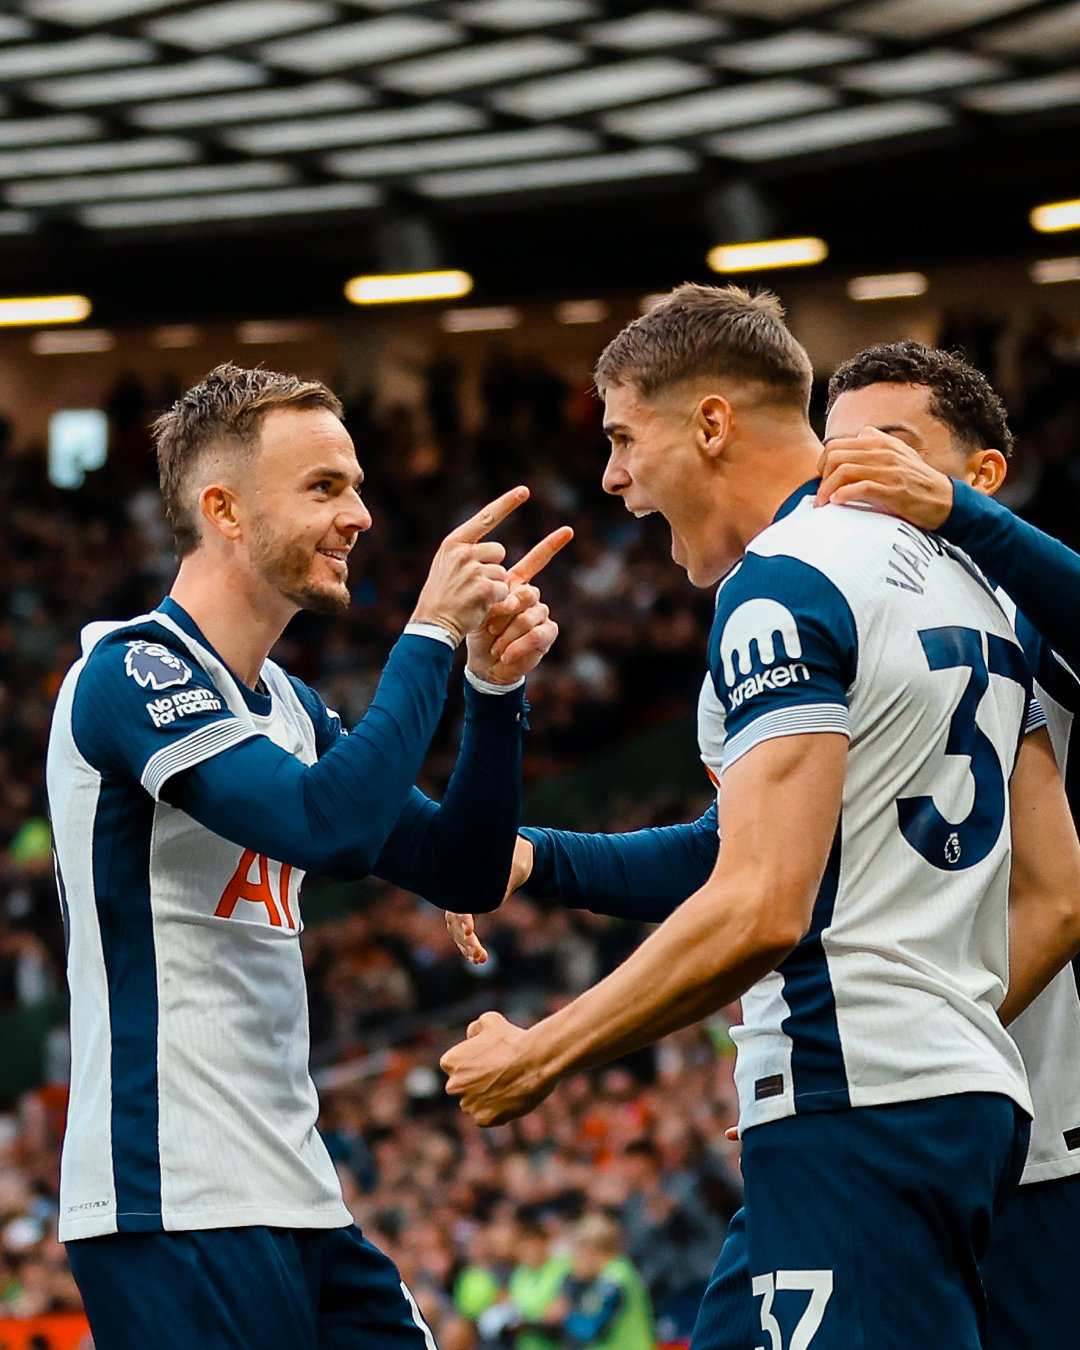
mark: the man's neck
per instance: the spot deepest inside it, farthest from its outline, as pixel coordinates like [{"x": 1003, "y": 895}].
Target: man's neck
[{"x": 240, "y": 625}]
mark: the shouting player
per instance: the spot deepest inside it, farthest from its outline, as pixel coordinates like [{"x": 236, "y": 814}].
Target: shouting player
[
  {"x": 904, "y": 421},
  {"x": 192, "y": 782},
  {"x": 864, "y": 705}
]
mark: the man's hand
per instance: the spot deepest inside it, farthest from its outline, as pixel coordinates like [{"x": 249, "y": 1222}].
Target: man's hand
[
  {"x": 462, "y": 927},
  {"x": 491, "y": 1073},
  {"x": 467, "y": 576},
  {"x": 518, "y": 632},
  {"x": 882, "y": 471}
]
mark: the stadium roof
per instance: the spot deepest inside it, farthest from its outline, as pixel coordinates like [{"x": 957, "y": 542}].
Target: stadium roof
[{"x": 189, "y": 155}]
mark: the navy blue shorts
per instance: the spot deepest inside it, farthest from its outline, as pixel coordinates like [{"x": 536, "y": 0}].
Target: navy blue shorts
[
  {"x": 1030, "y": 1266},
  {"x": 245, "y": 1289},
  {"x": 863, "y": 1229}
]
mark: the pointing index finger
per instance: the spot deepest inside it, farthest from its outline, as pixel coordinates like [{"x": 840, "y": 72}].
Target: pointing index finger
[
  {"x": 473, "y": 530},
  {"x": 541, "y": 554}
]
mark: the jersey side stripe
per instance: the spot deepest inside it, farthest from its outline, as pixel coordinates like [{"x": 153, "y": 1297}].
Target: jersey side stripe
[
  {"x": 793, "y": 721},
  {"x": 200, "y": 745},
  {"x": 123, "y": 827},
  {"x": 817, "y": 1059}
]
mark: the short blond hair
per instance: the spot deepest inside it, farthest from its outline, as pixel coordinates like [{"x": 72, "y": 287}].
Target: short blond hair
[
  {"x": 223, "y": 412},
  {"x": 721, "y": 331}
]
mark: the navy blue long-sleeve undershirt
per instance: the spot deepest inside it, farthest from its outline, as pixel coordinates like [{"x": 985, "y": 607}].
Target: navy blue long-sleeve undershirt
[{"x": 642, "y": 875}]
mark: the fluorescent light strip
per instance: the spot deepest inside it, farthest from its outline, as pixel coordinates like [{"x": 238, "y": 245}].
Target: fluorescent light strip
[
  {"x": 403, "y": 287},
  {"x": 582, "y": 311},
  {"x": 1054, "y": 216},
  {"x": 800, "y": 49},
  {"x": 12, "y": 29},
  {"x": 47, "y": 160},
  {"x": 175, "y": 335},
  {"x": 510, "y": 15},
  {"x": 887, "y": 286},
  {"x": 922, "y": 73},
  {"x": 362, "y": 44},
  {"x": 87, "y": 15},
  {"x": 767, "y": 253},
  {"x": 830, "y": 131},
  {"x": 910, "y": 19},
  {"x": 322, "y": 96},
  {"x": 466, "y": 67},
  {"x": 158, "y": 81},
  {"x": 65, "y": 344},
  {"x": 153, "y": 183},
  {"x": 487, "y": 320},
  {"x": 224, "y": 25},
  {"x": 389, "y": 124},
  {"x": 601, "y": 87},
  {"x": 498, "y": 147},
  {"x": 232, "y": 206},
  {"x": 653, "y": 29},
  {"x": 781, "y": 10},
  {"x": 1050, "y": 270},
  {"x": 1021, "y": 96},
  {"x": 1055, "y": 33},
  {"x": 16, "y": 222},
  {"x": 33, "y": 309},
  {"x": 47, "y": 130},
  {"x": 652, "y": 163},
  {"x": 718, "y": 108},
  {"x": 265, "y": 331},
  {"x": 54, "y": 58}
]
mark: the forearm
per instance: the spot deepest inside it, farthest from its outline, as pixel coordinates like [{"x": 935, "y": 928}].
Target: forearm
[
  {"x": 1035, "y": 569},
  {"x": 457, "y": 853},
  {"x": 641, "y": 875}
]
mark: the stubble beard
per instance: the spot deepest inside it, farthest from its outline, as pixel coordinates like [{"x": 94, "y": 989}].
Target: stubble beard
[{"x": 287, "y": 567}]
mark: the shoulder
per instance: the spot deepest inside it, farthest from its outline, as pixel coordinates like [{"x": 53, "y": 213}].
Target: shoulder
[
  {"x": 326, "y": 722},
  {"x": 142, "y": 653}
]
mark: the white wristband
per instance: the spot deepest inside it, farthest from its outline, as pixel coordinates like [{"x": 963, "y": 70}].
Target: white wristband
[
  {"x": 489, "y": 686},
  {"x": 431, "y": 630}
]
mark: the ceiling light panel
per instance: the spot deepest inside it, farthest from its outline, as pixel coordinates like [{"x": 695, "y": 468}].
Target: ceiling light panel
[
  {"x": 82, "y": 14},
  {"x": 103, "y": 187},
  {"x": 923, "y": 18},
  {"x": 47, "y": 130},
  {"x": 232, "y": 206},
  {"x": 656, "y": 28},
  {"x": 481, "y": 64},
  {"x": 799, "y": 49},
  {"x": 389, "y": 124},
  {"x": 214, "y": 26},
  {"x": 16, "y": 222},
  {"x": 1023, "y": 96},
  {"x": 720, "y": 108},
  {"x": 1055, "y": 33},
  {"x": 89, "y": 53},
  {"x": 666, "y": 161},
  {"x": 601, "y": 87},
  {"x": 157, "y": 81},
  {"x": 12, "y": 28},
  {"x": 830, "y": 131},
  {"x": 501, "y": 147},
  {"x": 923, "y": 72},
  {"x": 321, "y": 96},
  {"x": 780, "y": 10},
  {"x": 362, "y": 44},
  {"x": 513, "y": 15},
  {"x": 58, "y": 159}
]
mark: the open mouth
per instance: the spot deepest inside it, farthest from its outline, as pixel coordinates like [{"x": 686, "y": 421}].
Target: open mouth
[{"x": 340, "y": 556}]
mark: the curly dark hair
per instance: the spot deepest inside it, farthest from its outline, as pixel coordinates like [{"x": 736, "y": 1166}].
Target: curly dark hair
[{"x": 960, "y": 396}]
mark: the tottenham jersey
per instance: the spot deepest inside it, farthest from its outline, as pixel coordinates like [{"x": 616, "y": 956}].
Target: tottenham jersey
[
  {"x": 841, "y": 620},
  {"x": 192, "y": 1105},
  {"x": 1048, "y": 1032}
]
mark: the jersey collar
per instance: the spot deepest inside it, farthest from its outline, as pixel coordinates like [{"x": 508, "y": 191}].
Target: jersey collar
[
  {"x": 808, "y": 489},
  {"x": 260, "y": 704}
]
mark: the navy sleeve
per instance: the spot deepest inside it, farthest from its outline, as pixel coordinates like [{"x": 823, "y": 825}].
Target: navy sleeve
[
  {"x": 335, "y": 815},
  {"x": 782, "y": 654},
  {"x": 641, "y": 875},
  {"x": 1040, "y": 574}
]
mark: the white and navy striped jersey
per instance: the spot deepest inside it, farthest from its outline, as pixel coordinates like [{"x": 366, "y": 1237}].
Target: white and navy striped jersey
[
  {"x": 841, "y": 620},
  {"x": 192, "y": 1105}
]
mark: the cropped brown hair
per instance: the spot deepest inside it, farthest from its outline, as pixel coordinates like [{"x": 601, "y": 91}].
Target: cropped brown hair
[
  {"x": 223, "y": 412},
  {"x": 960, "y": 395},
  {"x": 719, "y": 331}
]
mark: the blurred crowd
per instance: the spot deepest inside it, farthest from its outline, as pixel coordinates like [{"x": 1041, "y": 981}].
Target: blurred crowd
[{"x": 512, "y": 1238}]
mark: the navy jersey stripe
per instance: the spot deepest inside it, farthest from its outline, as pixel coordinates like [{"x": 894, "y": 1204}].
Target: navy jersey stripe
[
  {"x": 818, "y": 1073},
  {"x": 123, "y": 827}
]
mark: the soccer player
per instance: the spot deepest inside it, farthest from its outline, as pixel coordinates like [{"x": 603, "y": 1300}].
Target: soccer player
[
  {"x": 863, "y": 733},
  {"x": 904, "y": 422},
  {"x": 192, "y": 782}
]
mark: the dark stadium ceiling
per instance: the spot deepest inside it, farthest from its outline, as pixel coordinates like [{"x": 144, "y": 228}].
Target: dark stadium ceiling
[{"x": 181, "y": 157}]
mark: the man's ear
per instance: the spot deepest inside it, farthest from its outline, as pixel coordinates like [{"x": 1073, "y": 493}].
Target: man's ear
[
  {"x": 988, "y": 469},
  {"x": 714, "y": 420},
  {"x": 217, "y": 506}
]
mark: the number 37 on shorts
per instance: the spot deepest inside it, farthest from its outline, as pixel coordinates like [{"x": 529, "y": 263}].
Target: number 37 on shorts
[{"x": 818, "y": 1284}]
